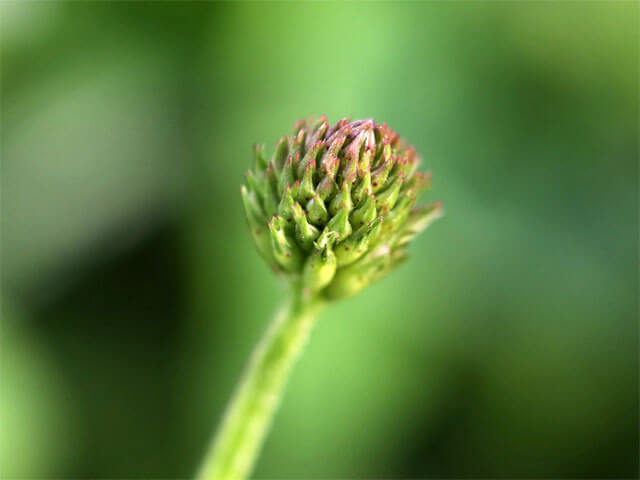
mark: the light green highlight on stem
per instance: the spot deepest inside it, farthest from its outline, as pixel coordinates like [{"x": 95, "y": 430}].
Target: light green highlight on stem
[{"x": 249, "y": 414}]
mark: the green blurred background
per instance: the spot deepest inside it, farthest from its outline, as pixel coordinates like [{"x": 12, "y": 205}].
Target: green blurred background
[{"x": 507, "y": 346}]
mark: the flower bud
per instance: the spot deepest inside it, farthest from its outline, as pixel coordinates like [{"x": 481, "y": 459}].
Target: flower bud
[{"x": 341, "y": 202}]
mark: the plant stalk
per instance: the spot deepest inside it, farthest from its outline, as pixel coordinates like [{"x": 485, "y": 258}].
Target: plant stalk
[{"x": 246, "y": 422}]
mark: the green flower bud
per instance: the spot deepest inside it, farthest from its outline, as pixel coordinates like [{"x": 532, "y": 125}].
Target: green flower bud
[{"x": 341, "y": 202}]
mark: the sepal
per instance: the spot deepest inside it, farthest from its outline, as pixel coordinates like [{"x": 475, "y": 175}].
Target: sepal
[
  {"x": 320, "y": 267},
  {"x": 284, "y": 248}
]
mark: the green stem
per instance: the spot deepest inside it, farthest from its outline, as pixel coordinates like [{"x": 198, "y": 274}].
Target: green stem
[{"x": 249, "y": 414}]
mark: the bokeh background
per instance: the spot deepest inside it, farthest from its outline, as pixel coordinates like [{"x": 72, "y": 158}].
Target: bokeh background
[{"x": 508, "y": 345}]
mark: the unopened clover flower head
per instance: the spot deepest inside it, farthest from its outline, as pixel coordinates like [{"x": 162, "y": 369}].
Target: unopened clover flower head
[{"x": 335, "y": 206}]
